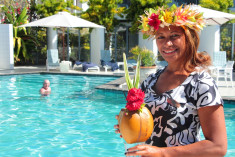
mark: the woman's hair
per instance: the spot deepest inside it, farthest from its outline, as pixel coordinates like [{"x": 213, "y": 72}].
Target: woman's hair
[{"x": 192, "y": 58}]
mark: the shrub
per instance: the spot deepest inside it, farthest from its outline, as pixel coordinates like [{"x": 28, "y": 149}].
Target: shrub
[{"x": 147, "y": 56}]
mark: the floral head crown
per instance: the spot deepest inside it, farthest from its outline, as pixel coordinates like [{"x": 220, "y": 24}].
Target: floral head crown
[{"x": 174, "y": 15}]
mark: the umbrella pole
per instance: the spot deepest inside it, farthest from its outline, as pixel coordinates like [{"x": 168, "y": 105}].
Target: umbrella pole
[
  {"x": 68, "y": 52},
  {"x": 232, "y": 43},
  {"x": 79, "y": 44},
  {"x": 63, "y": 44}
]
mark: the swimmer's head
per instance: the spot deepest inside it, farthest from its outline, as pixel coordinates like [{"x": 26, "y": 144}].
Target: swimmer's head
[{"x": 46, "y": 84}]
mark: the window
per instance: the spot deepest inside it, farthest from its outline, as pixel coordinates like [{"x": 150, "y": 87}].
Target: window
[{"x": 180, "y": 2}]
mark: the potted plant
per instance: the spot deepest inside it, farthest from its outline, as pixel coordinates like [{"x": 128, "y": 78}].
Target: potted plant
[
  {"x": 135, "y": 120},
  {"x": 147, "y": 65},
  {"x": 147, "y": 56}
]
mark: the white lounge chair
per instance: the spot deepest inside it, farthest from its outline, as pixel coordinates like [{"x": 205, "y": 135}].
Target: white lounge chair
[
  {"x": 85, "y": 66},
  {"x": 131, "y": 63},
  {"x": 53, "y": 61},
  {"x": 106, "y": 61}
]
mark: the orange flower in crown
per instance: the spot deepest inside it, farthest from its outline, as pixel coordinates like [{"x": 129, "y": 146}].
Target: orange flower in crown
[{"x": 178, "y": 16}]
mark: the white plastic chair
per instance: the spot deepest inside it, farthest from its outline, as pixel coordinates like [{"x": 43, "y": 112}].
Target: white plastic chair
[
  {"x": 225, "y": 72},
  {"x": 219, "y": 62},
  {"x": 219, "y": 59}
]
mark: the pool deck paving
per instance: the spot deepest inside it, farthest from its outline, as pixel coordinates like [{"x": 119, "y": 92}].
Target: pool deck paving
[{"x": 227, "y": 93}]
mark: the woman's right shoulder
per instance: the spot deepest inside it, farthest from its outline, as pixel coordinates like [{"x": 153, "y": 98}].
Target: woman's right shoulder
[
  {"x": 156, "y": 74},
  {"x": 151, "y": 79}
]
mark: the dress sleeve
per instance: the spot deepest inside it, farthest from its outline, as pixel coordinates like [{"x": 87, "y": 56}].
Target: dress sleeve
[{"x": 207, "y": 93}]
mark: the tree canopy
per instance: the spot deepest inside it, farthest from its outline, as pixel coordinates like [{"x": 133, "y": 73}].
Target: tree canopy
[
  {"x": 104, "y": 12},
  {"x": 138, "y": 7},
  {"x": 50, "y": 7},
  {"x": 220, "y": 5}
]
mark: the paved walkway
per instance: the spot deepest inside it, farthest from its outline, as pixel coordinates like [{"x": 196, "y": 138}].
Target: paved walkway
[{"x": 227, "y": 93}]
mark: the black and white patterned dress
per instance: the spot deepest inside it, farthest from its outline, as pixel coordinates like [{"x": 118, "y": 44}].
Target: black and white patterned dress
[{"x": 175, "y": 126}]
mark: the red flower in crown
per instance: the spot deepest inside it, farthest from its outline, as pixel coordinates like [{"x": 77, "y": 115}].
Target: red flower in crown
[
  {"x": 154, "y": 21},
  {"x": 135, "y": 98}
]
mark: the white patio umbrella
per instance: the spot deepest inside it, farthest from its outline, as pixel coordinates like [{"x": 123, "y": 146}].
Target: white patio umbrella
[
  {"x": 214, "y": 17},
  {"x": 62, "y": 19}
]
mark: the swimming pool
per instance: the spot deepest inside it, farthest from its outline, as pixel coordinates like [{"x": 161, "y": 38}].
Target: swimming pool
[{"x": 75, "y": 120}]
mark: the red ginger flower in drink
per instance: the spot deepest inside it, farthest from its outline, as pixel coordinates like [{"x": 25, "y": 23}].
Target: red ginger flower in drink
[{"x": 135, "y": 99}]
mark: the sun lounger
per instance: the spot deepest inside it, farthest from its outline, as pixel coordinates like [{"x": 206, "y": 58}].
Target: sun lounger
[
  {"x": 86, "y": 66},
  {"x": 131, "y": 63},
  {"x": 107, "y": 62},
  {"x": 109, "y": 65},
  {"x": 53, "y": 61}
]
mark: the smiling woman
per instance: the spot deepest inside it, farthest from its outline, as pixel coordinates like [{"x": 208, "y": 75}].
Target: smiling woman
[{"x": 182, "y": 97}]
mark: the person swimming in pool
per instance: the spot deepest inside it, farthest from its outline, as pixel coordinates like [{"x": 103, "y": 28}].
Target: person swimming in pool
[{"x": 46, "y": 89}]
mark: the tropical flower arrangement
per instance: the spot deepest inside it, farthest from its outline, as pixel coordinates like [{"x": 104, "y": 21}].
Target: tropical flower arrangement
[
  {"x": 135, "y": 96},
  {"x": 135, "y": 120},
  {"x": 178, "y": 16}
]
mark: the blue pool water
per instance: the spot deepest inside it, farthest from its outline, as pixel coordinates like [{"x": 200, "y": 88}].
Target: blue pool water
[
  {"x": 229, "y": 110},
  {"x": 75, "y": 120}
]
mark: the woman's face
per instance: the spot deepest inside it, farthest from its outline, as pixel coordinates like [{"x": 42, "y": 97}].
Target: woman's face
[{"x": 171, "y": 43}]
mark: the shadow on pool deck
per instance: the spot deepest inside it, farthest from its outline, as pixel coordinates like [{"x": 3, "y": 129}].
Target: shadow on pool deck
[{"x": 227, "y": 93}]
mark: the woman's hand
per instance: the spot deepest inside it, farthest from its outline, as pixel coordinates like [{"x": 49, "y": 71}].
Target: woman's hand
[
  {"x": 144, "y": 151},
  {"x": 117, "y": 131}
]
